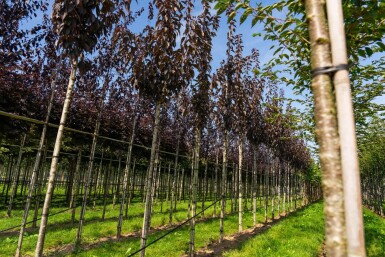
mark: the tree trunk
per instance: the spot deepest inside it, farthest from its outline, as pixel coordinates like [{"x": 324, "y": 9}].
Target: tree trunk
[
  {"x": 106, "y": 188},
  {"x": 260, "y": 186},
  {"x": 246, "y": 189},
  {"x": 182, "y": 188},
  {"x": 16, "y": 177},
  {"x": 190, "y": 184},
  {"x": 272, "y": 188},
  {"x": 54, "y": 162},
  {"x": 205, "y": 188},
  {"x": 7, "y": 179},
  {"x": 216, "y": 183},
  {"x": 295, "y": 190},
  {"x": 233, "y": 188},
  {"x": 174, "y": 180},
  {"x": 284, "y": 188},
  {"x": 131, "y": 185},
  {"x": 75, "y": 188},
  {"x": 279, "y": 188},
  {"x": 157, "y": 175},
  {"x": 97, "y": 178},
  {"x": 116, "y": 193},
  {"x": 70, "y": 180},
  {"x": 91, "y": 163},
  {"x": 25, "y": 175},
  {"x": 148, "y": 203},
  {"x": 240, "y": 159},
  {"x": 254, "y": 180},
  {"x": 347, "y": 133},
  {"x": 266, "y": 191},
  {"x": 167, "y": 186},
  {"x": 289, "y": 189},
  {"x": 224, "y": 181},
  {"x": 194, "y": 191},
  {"x": 40, "y": 182}
]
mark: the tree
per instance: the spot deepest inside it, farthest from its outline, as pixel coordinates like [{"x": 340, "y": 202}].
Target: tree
[
  {"x": 245, "y": 85},
  {"x": 105, "y": 66},
  {"x": 50, "y": 51},
  {"x": 157, "y": 74},
  {"x": 372, "y": 159},
  {"x": 196, "y": 46},
  {"x": 78, "y": 29},
  {"x": 222, "y": 87}
]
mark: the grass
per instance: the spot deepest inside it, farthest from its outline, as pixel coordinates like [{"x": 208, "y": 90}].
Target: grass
[
  {"x": 374, "y": 234},
  {"x": 60, "y": 232},
  {"x": 176, "y": 243},
  {"x": 300, "y": 234}
]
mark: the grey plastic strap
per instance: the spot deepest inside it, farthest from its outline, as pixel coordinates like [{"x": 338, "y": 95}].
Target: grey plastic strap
[{"x": 329, "y": 70}]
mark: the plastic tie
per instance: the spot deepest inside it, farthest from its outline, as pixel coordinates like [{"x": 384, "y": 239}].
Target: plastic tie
[{"x": 329, "y": 70}]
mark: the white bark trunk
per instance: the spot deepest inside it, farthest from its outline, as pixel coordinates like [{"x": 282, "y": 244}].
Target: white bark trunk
[{"x": 54, "y": 163}]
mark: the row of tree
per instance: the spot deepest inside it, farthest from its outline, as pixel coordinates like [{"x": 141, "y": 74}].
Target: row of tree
[
  {"x": 372, "y": 158},
  {"x": 140, "y": 88},
  {"x": 313, "y": 32}
]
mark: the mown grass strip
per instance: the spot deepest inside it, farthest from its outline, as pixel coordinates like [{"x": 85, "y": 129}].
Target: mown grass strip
[{"x": 300, "y": 234}]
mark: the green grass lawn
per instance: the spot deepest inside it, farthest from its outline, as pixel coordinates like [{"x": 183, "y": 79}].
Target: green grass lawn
[
  {"x": 60, "y": 232},
  {"x": 374, "y": 234},
  {"x": 175, "y": 244},
  {"x": 302, "y": 234}
]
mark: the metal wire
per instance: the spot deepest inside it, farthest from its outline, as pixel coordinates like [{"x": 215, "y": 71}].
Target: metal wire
[
  {"x": 172, "y": 230},
  {"x": 29, "y": 222}
]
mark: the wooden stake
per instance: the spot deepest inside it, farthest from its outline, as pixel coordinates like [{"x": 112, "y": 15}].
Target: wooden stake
[{"x": 346, "y": 127}]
